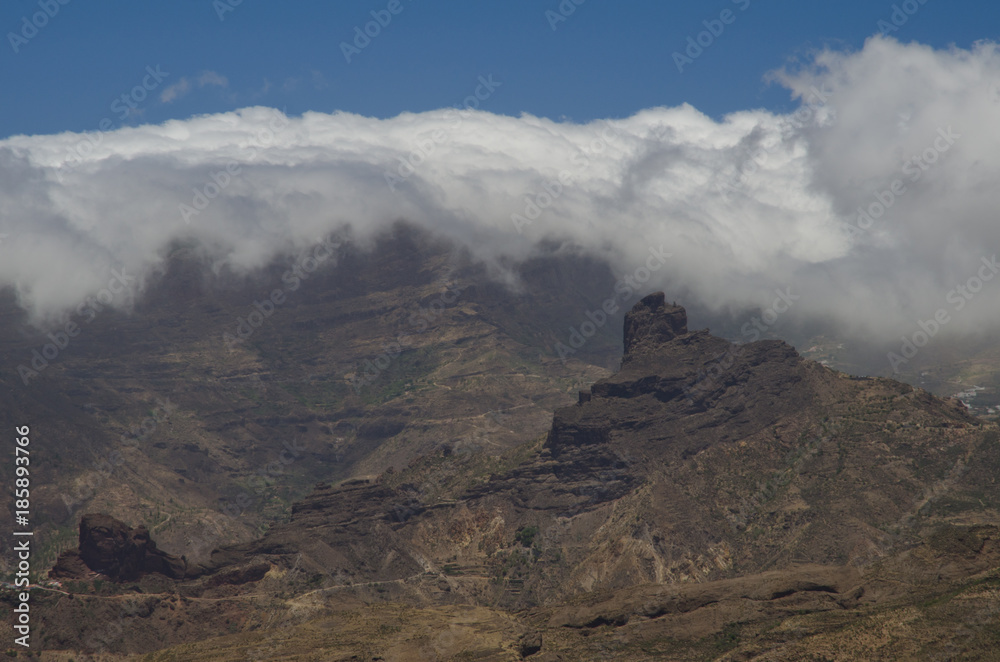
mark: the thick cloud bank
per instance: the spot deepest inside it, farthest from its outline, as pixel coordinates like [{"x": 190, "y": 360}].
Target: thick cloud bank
[{"x": 906, "y": 134}]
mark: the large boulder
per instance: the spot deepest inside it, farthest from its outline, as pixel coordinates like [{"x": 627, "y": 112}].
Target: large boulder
[{"x": 112, "y": 548}]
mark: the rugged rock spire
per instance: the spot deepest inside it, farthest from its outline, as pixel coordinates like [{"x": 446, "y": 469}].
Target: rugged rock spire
[{"x": 650, "y": 323}]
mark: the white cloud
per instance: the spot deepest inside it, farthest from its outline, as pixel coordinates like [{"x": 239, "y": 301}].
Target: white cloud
[
  {"x": 176, "y": 91},
  {"x": 658, "y": 177},
  {"x": 212, "y": 78},
  {"x": 183, "y": 86}
]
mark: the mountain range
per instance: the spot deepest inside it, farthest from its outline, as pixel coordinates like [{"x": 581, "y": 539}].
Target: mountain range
[{"x": 398, "y": 464}]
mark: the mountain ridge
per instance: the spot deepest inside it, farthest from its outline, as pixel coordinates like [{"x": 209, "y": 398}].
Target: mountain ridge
[{"x": 781, "y": 488}]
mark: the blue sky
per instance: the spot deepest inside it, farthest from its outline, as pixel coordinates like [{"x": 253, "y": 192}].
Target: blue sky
[{"x": 605, "y": 60}]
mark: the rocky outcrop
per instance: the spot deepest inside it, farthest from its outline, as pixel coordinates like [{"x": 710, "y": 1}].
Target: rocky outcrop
[
  {"x": 669, "y": 374},
  {"x": 530, "y": 644},
  {"x": 651, "y": 323},
  {"x": 112, "y": 548}
]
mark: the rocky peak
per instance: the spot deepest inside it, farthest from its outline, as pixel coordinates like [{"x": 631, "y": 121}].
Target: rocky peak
[
  {"x": 112, "y": 548},
  {"x": 652, "y": 322}
]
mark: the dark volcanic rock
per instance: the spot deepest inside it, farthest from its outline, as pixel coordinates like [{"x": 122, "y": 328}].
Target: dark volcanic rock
[
  {"x": 69, "y": 566},
  {"x": 112, "y": 548},
  {"x": 650, "y": 323},
  {"x": 718, "y": 389},
  {"x": 530, "y": 644}
]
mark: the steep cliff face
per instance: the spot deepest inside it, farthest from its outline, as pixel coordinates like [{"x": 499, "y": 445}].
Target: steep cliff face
[
  {"x": 703, "y": 486},
  {"x": 720, "y": 390},
  {"x": 699, "y": 460},
  {"x": 746, "y": 458}
]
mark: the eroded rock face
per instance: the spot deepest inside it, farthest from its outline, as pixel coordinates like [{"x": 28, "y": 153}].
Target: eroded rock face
[
  {"x": 704, "y": 487},
  {"x": 650, "y": 323},
  {"x": 114, "y": 549},
  {"x": 345, "y": 530},
  {"x": 671, "y": 375}
]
